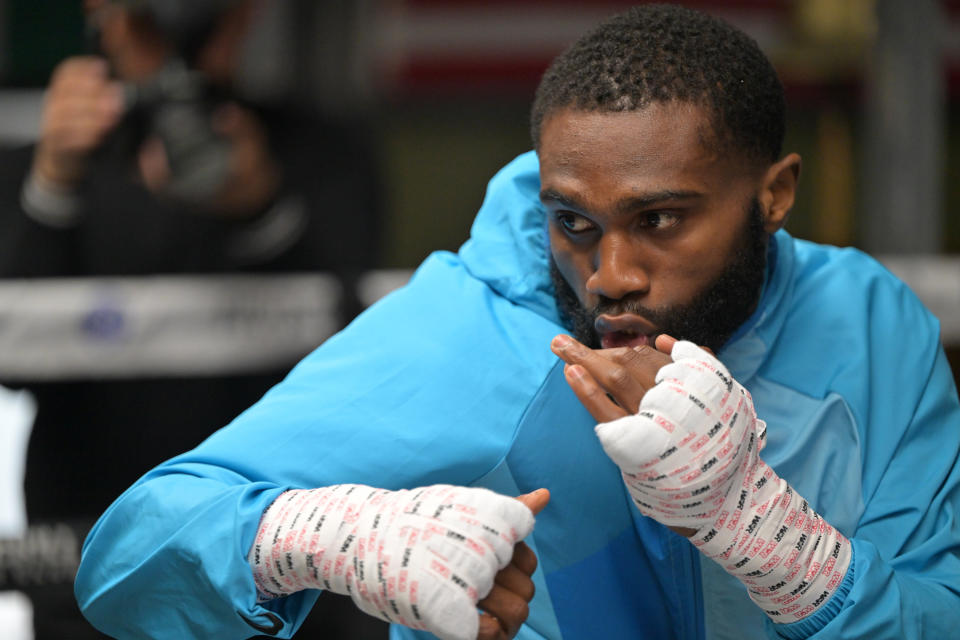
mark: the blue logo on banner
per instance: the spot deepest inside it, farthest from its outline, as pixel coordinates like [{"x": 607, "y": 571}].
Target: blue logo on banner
[{"x": 104, "y": 323}]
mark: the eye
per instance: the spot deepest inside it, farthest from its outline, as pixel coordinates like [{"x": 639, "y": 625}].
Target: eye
[
  {"x": 573, "y": 223},
  {"x": 659, "y": 219}
]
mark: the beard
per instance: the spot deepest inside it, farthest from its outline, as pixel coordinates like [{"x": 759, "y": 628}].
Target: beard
[{"x": 708, "y": 320}]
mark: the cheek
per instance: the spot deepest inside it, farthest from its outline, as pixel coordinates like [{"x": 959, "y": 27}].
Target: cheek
[
  {"x": 676, "y": 268},
  {"x": 573, "y": 266},
  {"x": 689, "y": 269}
]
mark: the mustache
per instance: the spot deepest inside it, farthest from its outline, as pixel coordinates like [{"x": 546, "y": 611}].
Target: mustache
[{"x": 626, "y": 306}]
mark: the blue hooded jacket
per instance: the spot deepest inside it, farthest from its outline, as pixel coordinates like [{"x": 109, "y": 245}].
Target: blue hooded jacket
[{"x": 451, "y": 379}]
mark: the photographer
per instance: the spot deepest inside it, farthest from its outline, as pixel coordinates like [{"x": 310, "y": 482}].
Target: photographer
[{"x": 150, "y": 162}]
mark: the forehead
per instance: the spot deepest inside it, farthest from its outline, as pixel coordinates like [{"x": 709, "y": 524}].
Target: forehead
[{"x": 663, "y": 146}]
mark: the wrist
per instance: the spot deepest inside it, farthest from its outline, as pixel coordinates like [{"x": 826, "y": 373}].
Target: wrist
[
  {"x": 58, "y": 170},
  {"x": 297, "y": 540},
  {"x": 787, "y": 555},
  {"x": 50, "y": 203}
]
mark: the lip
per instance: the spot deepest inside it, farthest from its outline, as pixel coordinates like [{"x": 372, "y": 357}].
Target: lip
[{"x": 624, "y": 330}]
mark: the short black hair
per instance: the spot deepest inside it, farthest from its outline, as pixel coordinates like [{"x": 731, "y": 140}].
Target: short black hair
[{"x": 664, "y": 53}]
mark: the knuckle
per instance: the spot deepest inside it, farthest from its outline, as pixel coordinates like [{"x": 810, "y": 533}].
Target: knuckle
[
  {"x": 646, "y": 352},
  {"x": 651, "y": 359},
  {"x": 526, "y": 559},
  {"x": 619, "y": 378},
  {"x": 527, "y": 591}
]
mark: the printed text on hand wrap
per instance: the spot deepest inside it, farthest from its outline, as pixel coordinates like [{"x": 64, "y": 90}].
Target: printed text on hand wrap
[
  {"x": 421, "y": 558},
  {"x": 690, "y": 458}
]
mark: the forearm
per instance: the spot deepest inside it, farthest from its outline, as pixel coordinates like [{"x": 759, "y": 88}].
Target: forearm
[
  {"x": 885, "y": 601},
  {"x": 423, "y": 558},
  {"x": 27, "y": 247},
  {"x": 690, "y": 458}
]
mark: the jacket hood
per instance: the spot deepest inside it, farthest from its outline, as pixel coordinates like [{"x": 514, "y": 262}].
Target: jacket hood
[{"x": 508, "y": 245}]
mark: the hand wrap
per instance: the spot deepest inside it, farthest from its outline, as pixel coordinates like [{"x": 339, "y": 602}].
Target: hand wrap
[
  {"x": 690, "y": 458},
  {"x": 421, "y": 558}
]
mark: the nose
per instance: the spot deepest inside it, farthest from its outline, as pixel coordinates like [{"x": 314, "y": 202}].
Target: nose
[{"x": 618, "y": 269}]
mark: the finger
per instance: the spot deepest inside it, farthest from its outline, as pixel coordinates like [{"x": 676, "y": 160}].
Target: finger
[
  {"x": 664, "y": 343},
  {"x": 524, "y": 558},
  {"x": 230, "y": 119},
  {"x": 641, "y": 362},
  {"x": 509, "y": 608},
  {"x": 253, "y": 175},
  {"x": 78, "y": 122},
  {"x": 571, "y": 351},
  {"x": 535, "y": 500},
  {"x": 626, "y": 374},
  {"x": 490, "y": 628},
  {"x": 111, "y": 101},
  {"x": 243, "y": 129},
  {"x": 79, "y": 112},
  {"x": 515, "y": 580},
  {"x": 79, "y": 69},
  {"x": 153, "y": 164},
  {"x": 79, "y": 84},
  {"x": 80, "y": 131},
  {"x": 591, "y": 395}
]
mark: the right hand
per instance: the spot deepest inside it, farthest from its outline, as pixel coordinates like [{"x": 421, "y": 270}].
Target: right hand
[
  {"x": 425, "y": 558},
  {"x": 506, "y": 607},
  {"x": 81, "y": 107}
]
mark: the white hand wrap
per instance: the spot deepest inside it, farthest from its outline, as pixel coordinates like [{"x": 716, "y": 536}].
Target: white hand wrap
[
  {"x": 690, "y": 458},
  {"x": 421, "y": 558}
]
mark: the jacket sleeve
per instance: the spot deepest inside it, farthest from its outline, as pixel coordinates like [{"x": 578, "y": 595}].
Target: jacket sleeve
[
  {"x": 904, "y": 581},
  {"x": 167, "y": 560},
  {"x": 387, "y": 403},
  {"x": 28, "y": 247}
]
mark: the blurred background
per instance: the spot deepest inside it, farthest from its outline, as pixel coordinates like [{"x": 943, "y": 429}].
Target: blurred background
[{"x": 437, "y": 92}]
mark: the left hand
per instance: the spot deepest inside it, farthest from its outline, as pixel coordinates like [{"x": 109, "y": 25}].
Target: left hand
[{"x": 611, "y": 382}]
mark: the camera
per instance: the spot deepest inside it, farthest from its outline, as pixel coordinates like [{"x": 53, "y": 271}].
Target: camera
[
  {"x": 175, "y": 106},
  {"x": 176, "y": 103}
]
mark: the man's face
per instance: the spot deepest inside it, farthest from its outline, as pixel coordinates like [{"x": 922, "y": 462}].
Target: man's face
[{"x": 650, "y": 229}]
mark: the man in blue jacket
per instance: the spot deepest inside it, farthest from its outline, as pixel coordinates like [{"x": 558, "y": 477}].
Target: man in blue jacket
[{"x": 802, "y": 483}]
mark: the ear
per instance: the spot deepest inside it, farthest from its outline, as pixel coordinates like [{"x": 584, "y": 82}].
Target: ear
[{"x": 778, "y": 191}]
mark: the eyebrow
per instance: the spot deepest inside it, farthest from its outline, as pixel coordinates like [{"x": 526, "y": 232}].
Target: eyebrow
[{"x": 627, "y": 204}]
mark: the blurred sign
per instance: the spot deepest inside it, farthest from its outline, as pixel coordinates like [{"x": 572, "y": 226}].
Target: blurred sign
[
  {"x": 73, "y": 328},
  {"x": 478, "y": 46},
  {"x": 936, "y": 281},
  {"x": 20, "y": 116}
]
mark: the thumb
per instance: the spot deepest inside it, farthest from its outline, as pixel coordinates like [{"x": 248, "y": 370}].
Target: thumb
[
  {"x": 535, "y": 500},
  {"x": 665, "y": 342},
  {"x": 633, "y": 441},
  {"x": 154, "y": 164}
]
